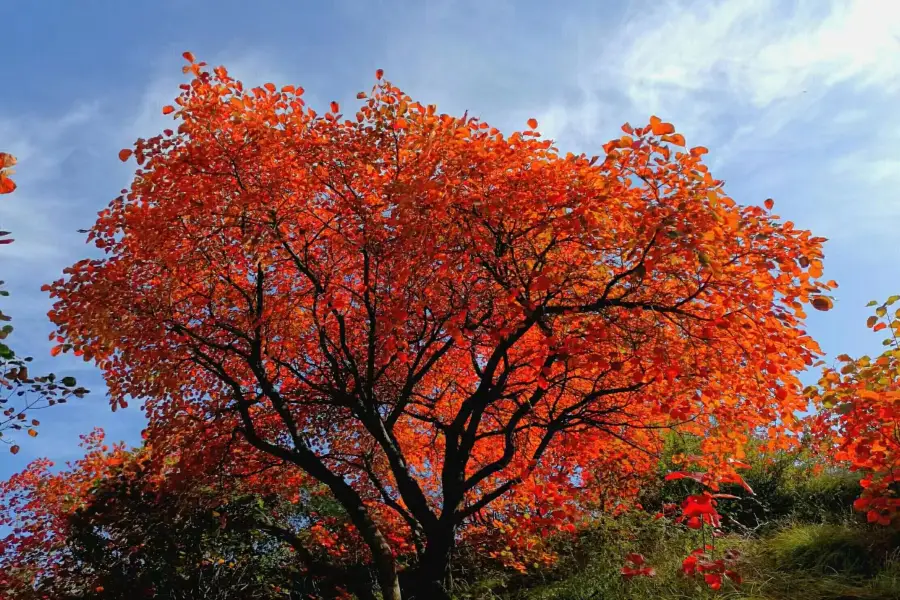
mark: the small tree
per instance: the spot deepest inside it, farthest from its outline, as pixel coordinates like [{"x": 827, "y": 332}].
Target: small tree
[
  {"x": 113, "y": 525},
  {"x": 457, "y": 332},
  {"x": 20, "y": 392},
  {"x": 859, "y": 421}
]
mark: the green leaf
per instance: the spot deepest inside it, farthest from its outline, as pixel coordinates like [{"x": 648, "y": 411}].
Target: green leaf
[
  {"x": 844, "y": 408},
  {"x": 872, "y": 303},
  {"x": 881, "y": 311},
  {"x": 892, "y": 299},
  {"x": 68, "y": 381}
]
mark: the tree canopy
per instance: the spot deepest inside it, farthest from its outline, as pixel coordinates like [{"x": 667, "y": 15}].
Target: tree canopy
[{"x": 461, "y": 334}]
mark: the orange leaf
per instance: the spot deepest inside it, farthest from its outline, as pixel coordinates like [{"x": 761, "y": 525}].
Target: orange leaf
[
  {"x": 660, "y": 128},
  {"x": 14, "y": 449},
  {"x": 125, "y": 154},
  {"x": 532, "y": 123},
  {"x": 379, "y": 74},
  {"x": 168, "y": 109},
  {"x": 335, "y": 107},
  {"x": 188, "y": 56},
  {"x": 769, "y": 203}
]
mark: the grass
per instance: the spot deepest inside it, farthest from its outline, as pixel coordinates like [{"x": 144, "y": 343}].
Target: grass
[{"x": 795, "y": 562}]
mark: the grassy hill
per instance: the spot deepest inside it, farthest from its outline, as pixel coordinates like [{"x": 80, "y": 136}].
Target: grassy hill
[{"x": 792, "y": 562}]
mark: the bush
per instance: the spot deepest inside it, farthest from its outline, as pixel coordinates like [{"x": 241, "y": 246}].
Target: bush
[{"x": 790, "y": 487}]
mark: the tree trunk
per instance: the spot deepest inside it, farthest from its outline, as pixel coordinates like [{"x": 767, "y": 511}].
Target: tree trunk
[
  {"x": 431, "y": 579},
  {"x": 382, "y": 555},
  {"x": 387, "y": 577}
]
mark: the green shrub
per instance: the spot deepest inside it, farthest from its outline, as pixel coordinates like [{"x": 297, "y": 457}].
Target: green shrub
[{"x": 789, "y": 487}]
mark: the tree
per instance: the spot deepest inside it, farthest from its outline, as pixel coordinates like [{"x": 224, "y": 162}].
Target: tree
[
  {"x": 859, "y": 417},
  {"x": 20, "y": 393},
  {"x": 114, "y": 526},
  {"x": 455, "y": 331}
]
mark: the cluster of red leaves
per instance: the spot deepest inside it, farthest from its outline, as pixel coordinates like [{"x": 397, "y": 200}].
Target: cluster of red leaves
[
  {"x": 700, "y": 509},
  {"x": 635, "y": 567},
  {"x": 858, "y": 422},
  {"x": 702, "y": 562},
  {"x": 7, "y": 185},
  {"x": 698, "y": 512}
]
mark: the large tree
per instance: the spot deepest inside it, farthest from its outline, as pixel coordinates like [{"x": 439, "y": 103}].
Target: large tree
[{"x": 456, "y": 331}]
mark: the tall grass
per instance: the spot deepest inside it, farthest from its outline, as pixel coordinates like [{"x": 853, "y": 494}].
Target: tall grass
[{"x": 796, "y": 562}]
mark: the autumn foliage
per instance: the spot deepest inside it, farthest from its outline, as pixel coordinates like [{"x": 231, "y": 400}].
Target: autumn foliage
[
  {"x": 460, "y": 333},
  {"x": 35, "y": 505},
  {"x": 859, "y": 421}
]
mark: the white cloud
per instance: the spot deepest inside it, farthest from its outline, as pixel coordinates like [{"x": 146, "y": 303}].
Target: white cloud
[
  {"x": 700, "y": 63},
  {"x": 42, "y": 146}
]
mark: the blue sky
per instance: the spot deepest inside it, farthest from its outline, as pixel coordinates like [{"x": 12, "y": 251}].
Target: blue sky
[{"x": 797, "y": 101}]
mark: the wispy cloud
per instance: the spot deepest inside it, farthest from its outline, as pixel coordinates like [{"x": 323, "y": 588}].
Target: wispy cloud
[{"x": 721, "y": 67}]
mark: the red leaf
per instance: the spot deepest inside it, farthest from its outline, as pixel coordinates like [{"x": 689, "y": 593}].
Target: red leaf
[
  {"x": 698, "y": 477},
  {"x": 713, "y": 580},
  {"x": 634, "y": 557},
  {"x": 7, "y": 185}
]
